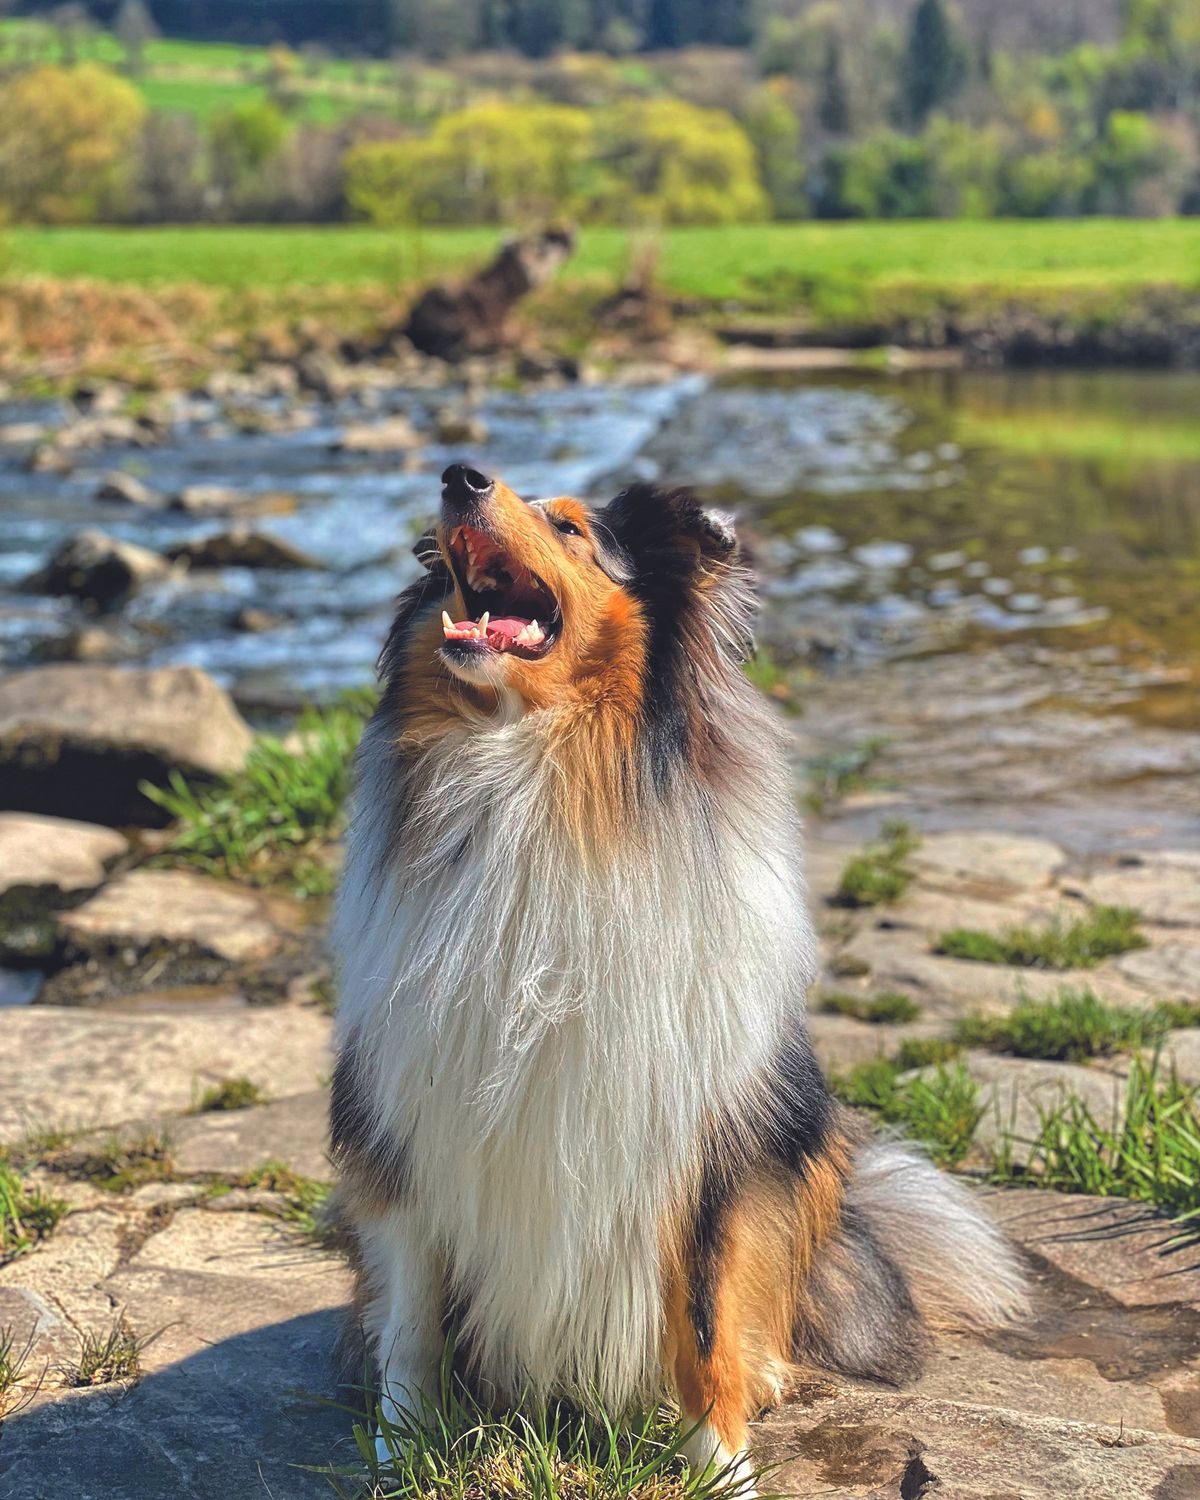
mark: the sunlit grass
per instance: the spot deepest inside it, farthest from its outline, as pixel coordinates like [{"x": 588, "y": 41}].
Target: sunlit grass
[
  {"x": 1082, "y": 943},
  {"x": 889, "y": 1007},
  {"x": 880, "y": 874},
  {"x": 941, "y": 1110},
  {"x": 1073, "y": 1027},
  {"x": 27, "y": 1214}
]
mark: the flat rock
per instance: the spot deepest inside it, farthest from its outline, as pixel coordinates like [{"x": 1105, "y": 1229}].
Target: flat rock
[
  {"x": 1164, "y": 887},
  {"x": 395, "y": 435},
  {"x": 1016, "y": 1090},
  {"x": 1168, "y": 971},
  {"x": 1129, "y": 1251},
  {"x": 236, "y": 1386},
  {"x": 120, "y": 488},
  {"x": 43, "y": 862},
  {"x": 219, "y": 500},
  {"x": 241, "y": 547},
  {"x": 1181, "y": 1051},
  {"x": 81, "y": 1069},
  {"x": 841, "y": 1042},
  {"x": 148, "y": 909},
  {"x": 294, "y": 1130},
  {"x": 981, "y": 863},
  {"x": 97, "y": 569},
  {"x": 54, "y": 855},
  {"x": 77, "y": 740}
]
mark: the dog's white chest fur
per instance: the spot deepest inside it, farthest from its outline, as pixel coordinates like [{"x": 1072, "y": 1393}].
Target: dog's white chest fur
[{"x": 547, "y": 1034}]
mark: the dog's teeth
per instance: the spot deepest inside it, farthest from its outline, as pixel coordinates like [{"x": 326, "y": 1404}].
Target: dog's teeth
[
  {"x": 447, "y": 622},
  {"x": 483, "y": 621}
]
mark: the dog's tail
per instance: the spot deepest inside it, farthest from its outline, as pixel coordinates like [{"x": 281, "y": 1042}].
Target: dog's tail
[{"x": 913, "y": 1254}]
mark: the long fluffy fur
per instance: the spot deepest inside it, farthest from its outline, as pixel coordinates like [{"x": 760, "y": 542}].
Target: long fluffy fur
[{"x": 575, "y": 1101}]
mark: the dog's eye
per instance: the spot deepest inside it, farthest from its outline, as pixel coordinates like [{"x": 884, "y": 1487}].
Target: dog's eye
[{"x": 566, "y": 528}]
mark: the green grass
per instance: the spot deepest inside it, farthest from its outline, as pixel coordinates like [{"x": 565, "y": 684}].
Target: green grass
[
  {"x": 1079, "y": 944},
  {"x": 124, "y": 1162},
  {"x": 305, "y": 1201},
  {"x": 879, "y": 875},
  {"x": 459, "y": 1450},
  {"x": 230, "y": 1093},
  {"x": 109, "y": 1358},
  {"x": 27, "y": 1215},
  {"x": 834, "y": 269},
  {"x": 941, "y": 1110},
  {"x": 1073, "y": 1027},
  {"x": 1150, "y": 1152},
  {"x": 889, "y": 1007},
  {"x": 832, "y": 777},
  {"x": 268, "y": 824},
  {"x": 14, "y": 1361}
]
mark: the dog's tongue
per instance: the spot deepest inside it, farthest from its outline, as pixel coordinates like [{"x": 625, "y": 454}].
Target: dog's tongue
[
  {"x": 500, "y": 631},
  {"x": 503, "y": 630}
]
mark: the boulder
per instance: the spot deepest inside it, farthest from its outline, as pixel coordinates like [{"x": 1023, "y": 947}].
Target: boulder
[
  {"x": 1168, "y": 971},
  {"x": 983, "y": 863},
  {"x": 393, "y": 435},
  {"x": 76, "y": 741},
  {"x": 43, "y": 863},
  {"x": 150, "y": 910},
  {"x": 241, "y": 547},
  {"x": 97, "y": 569},
  {"x": 125, "y": 489}
]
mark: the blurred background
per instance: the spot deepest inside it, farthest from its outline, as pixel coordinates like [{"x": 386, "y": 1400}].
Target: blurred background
[{"x": 913, "y": 287}]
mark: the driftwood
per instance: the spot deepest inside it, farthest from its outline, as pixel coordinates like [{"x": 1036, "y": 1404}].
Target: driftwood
[{"x": 453, "y": 320}]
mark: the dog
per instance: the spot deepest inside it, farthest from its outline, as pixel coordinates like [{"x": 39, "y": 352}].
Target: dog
[{"x": 575, "y": 1105}]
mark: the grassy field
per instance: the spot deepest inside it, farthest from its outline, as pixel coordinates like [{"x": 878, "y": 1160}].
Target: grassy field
[{"x": 763, "y": 265}]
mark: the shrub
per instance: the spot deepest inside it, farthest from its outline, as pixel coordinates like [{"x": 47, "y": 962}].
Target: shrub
[{"x": 66, "y": 142}]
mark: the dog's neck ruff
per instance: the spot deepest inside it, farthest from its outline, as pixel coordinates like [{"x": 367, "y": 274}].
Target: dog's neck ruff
[{"x": 549, "y": 1028}]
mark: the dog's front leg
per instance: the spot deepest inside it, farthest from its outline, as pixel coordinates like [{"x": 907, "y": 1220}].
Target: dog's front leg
[{"x": 404, "y": 1315}]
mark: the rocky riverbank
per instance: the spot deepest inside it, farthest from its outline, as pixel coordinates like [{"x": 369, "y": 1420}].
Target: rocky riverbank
[{"x": 177, "y": 1119}]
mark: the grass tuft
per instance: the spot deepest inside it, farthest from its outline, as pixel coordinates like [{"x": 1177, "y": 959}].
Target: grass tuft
[
  {"x": 461, "y": 1451},
  {"x": 941, "y": 1110},
  {"x": 230, "y": 1093},
  {"x": 1075, "y": 1026},
  {"x": 121, "y": 1164},
  {"x": 1079, "y": 944},
  {"x": 106, "y": 1358},
  {"x": 268, "y": 824},
  {"x": 880, "y": 874},
  {"x": 1150, "y": 1151},
  {"x": 306, "y": 1201},
  {"x": 889, "y": 1007},
  {"x": 14, "y": 1359},
  {"x": 27, "y": 1215},
  {"x": 834, "y": 776}
]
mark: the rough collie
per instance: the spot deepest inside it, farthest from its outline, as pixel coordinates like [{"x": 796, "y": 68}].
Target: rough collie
[{"x": 575, "y": 1104}]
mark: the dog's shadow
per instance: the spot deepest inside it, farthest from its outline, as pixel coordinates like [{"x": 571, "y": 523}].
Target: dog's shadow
[{"x": 231, "y": 1422}]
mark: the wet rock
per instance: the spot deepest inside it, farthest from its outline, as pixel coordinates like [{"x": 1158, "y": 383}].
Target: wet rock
[
  {"x": 977, "y": 863},
  {"x": 95, "y": 643},
  {"x": 219, "y": 500},
  {"x": 43, "y": 863},
  {"x": 393, "y": 435},
  {"x": 241, "y": 547},
  {"x": 150, "y": 910},
  {"x": 85, "y": 1068},
  {"x": 456, "y": 319},
  {"x": 255, "y": 621},
  {"x": 76, "y": 741},
  {"x": 454, "y": 427},
  {"x": 126, "y": 489},
  {"x": 97, "y": 569},
  {"x": 1164, "y": 887},
  {"x": 323, "y": 375}
]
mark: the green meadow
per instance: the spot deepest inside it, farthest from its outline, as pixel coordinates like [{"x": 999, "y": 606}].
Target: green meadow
[{"x": 834, "y": 268}]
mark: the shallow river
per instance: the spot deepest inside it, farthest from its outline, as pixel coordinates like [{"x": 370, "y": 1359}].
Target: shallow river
[{"x": 892, "y": 514}]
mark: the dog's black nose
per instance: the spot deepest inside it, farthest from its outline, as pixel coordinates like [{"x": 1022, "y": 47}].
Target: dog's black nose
[{"x": 462, "y": 485}]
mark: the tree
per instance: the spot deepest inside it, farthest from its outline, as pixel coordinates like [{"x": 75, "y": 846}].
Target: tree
[
  {"x": 833, "y": 102},
  {"x": 934, "y": 67},
  {"x": 774, "y": 128},
  {"x": 242, "y": 140},
  {"x": 66, "y": 143},
  {"x": 134, "y": 27}
]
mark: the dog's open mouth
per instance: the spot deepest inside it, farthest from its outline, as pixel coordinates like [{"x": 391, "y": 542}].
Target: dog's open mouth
[{"x": 510, "y": 609}]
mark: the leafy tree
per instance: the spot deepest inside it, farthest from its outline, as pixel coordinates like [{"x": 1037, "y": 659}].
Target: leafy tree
[
  {"x": 774, "y": 128},
  {"x": 669, "y": 162},
  {"x": 242, "y": 140},
  {"x": 833, "y": 101},
  {"x": 887, "y": 176},
  {"x": 66, "y": 143},
  {"x": 934, "y": 66}
]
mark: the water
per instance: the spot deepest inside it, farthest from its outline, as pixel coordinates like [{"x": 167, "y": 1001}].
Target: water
[{"x": 890, "y": 514}]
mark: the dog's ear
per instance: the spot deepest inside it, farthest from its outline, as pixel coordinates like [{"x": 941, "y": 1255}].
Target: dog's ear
[{"x": 658, "y": 526}]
